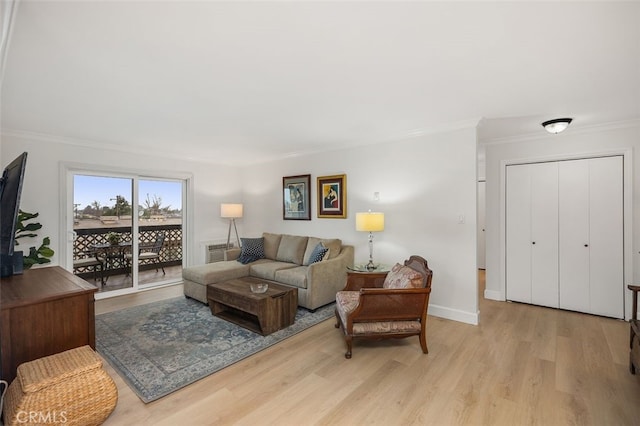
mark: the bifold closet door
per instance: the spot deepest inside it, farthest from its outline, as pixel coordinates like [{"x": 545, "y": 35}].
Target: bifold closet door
[
  {"x": 532, "y": 233},
  {"x": 591, "y": 236}
]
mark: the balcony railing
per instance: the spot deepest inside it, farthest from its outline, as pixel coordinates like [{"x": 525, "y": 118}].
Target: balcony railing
[{"x": 170, "y": 255}]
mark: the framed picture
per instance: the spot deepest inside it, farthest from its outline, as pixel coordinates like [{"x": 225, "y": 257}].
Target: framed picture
[
  {"x": 332, "y": 197},
  {"x": 296, "y": 197}
]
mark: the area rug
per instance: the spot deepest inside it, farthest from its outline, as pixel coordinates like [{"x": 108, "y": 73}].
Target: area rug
[{"x": 163, "y": 346}]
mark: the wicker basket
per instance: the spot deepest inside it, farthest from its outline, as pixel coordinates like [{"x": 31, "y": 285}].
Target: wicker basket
[{"x": 68, "y": 388}]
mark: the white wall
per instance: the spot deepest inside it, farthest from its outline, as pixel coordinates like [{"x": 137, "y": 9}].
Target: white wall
[
  {"x": 613, "y": 138},
  {"x": 425, "y": 184},
  {"x": 42, "y": 193}
]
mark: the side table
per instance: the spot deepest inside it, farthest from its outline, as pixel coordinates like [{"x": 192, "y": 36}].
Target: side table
[{"x": 358, "y": 277}]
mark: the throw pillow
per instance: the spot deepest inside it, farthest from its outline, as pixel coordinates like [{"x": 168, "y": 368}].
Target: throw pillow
[
  {"x": 252, "y": 250},
  {"x": 403, "y": 277},
  {"x": 318, "y": 253}
]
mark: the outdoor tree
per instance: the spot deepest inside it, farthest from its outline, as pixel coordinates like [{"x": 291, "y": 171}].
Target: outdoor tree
[
  {"x": 120, "y": 208},
  {"x": 153, "y": 206}
]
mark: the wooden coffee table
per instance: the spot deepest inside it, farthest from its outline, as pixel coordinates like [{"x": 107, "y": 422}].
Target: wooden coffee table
[{"x": 262, "y": 313}]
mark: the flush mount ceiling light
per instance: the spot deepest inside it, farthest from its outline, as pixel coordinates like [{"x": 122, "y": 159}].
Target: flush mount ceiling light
[{"x": 557, "y": 125}]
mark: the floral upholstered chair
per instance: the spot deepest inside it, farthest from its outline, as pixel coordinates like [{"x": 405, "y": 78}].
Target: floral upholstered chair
[{"x": 397, "y": 309}]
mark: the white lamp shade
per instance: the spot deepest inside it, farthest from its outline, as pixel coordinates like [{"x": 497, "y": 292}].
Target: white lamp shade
[
  {"x": 231, "y": 211},
  {"x": 370, "y": 221}
]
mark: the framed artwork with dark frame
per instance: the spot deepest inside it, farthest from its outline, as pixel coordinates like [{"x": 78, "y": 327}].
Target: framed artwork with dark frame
[
  {"x": 296, "y": 197},
  {"x": 332, "y": 197}
]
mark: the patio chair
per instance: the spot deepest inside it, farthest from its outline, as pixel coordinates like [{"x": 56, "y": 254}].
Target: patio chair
[
  {"x": 95, "y": 262},
  {"x": 149, "y": 252},
  {"x": 398, "y": 309}
]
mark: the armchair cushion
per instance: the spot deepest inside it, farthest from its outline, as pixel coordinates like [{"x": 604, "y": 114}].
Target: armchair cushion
[
  {"x": 346, "y": 302},
  {"x": 252, "y": 250},
  {"x": 403, "y": 277}
]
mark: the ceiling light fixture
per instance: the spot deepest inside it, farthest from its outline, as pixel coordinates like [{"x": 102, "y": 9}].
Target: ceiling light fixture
[{"x": 557, "y": 125}]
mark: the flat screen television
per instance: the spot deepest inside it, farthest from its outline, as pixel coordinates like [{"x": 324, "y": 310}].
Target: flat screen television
[{"x": 10, "y": 191}]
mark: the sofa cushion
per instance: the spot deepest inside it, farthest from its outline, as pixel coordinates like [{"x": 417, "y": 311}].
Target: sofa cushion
[
  {"x": 271, "y": 244},
  {"x": 267, "y": 269},
  {"x": 295, "y": 277},
  {"x": 334, "y": 245},
  {"x": 292, "y": 249},
  {"x": 403, "y": 277},
  {"x": 215, "y": 272},
  {"x": 252, "y": 250},
  {"x": 318, "y": 254}
]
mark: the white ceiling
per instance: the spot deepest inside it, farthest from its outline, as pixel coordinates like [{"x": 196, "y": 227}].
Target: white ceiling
[{"x": 249, "y": 81}]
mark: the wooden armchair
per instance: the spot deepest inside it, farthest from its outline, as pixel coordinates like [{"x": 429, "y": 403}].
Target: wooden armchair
[
  {"x": 396, "y": 309},
  {"x": 634, "y": 332}
]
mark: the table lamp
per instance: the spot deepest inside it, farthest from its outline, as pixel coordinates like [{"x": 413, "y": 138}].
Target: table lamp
[
  {"x": 370, "y": 222},
  {"x": 233, "y": 212}
]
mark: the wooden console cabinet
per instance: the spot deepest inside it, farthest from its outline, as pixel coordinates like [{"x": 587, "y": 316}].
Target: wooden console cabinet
[{"x": 42, "y": 312}]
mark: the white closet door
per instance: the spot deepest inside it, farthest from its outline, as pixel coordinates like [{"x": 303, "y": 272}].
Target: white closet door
[
  {"x": 544, "y": 234},
  {"x": 574, "y": 235},
  {"x": 481, "y": 240},
  {"x": 606, "y": 237},
  {"x": 518, "y": 233}
]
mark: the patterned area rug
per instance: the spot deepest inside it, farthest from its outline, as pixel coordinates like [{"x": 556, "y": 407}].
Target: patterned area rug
[{"x": 161, "y": 347}]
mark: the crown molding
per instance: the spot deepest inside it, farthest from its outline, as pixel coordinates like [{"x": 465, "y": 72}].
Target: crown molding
[
  {"x": 594, "y": 128},
  {"x": 105, "y": 146}
]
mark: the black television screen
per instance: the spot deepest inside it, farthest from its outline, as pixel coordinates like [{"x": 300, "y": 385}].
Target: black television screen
[{"x": 10, "y": 191}]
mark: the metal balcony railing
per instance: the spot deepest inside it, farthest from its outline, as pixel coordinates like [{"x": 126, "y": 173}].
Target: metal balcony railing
[{"x": 170, "y": 255}]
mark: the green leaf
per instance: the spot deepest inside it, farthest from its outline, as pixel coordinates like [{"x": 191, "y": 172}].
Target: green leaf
[
  {"x": 31, "y": 227},
  {"x": 22, "y": 215},
  {"x": 46, "y": 252}
]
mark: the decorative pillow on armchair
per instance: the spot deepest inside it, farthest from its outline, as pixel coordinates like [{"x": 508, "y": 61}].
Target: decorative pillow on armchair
[
  {"x": 403, "y": 277},
  {"x": 252, "y": 250}
]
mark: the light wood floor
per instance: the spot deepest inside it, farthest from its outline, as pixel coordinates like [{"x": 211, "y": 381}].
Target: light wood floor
[{"x": 523, "y": 365}]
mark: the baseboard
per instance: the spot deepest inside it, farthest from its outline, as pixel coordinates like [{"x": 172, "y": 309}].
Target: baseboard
[
  {"x": 454, "y": 314},
  {"x": 493, "y": 295}
]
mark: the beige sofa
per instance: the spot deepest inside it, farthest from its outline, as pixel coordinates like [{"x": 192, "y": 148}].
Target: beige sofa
[{"x": 286, "y": 261}]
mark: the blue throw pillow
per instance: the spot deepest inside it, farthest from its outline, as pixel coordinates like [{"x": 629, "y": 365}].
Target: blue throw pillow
[
  {"x": 252, "y": 250},
  {"x": 318, "y": 253}
]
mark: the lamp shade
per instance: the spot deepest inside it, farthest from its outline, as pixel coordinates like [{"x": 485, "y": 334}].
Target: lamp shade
[
  {"x": 370, "y": 221},
  {"x": 231, "y": 211}
]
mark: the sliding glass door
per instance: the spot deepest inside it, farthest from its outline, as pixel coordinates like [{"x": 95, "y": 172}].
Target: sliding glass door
[
  {"x": 127, "y": 230},
  {"x": 159, "y": 231}
]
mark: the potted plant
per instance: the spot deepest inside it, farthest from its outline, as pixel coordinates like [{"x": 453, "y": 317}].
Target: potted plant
[
  {"x": 26, "y": 230},
  {"x": 114, "y": 238}
]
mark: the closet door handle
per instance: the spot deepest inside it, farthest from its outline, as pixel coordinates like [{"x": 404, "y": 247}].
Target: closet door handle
[
  {"x": 586, "y": 245},
  {"x": 533, "y": 242}
]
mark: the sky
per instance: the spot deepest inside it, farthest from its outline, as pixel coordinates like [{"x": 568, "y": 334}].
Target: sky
[{"x": 87, "y": 189}]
